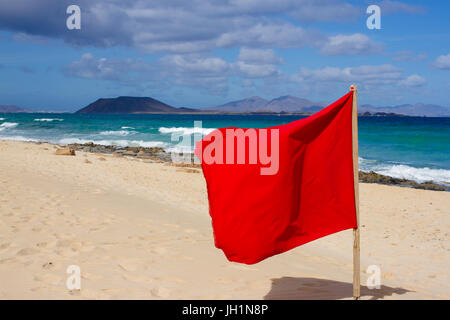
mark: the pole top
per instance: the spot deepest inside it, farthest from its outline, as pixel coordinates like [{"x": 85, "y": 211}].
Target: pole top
[{"x": 353, "y": 87}]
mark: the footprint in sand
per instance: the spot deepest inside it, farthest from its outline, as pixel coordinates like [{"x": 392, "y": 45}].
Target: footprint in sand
[
  {"x": 49, "y": 265},
  {"x": 5, "y": 245},
  {"x": 64, "y": 243},
  {"x": 27, "y": 251},
  {"x": 8, "y": 260},
  {"x": 161, "y": 292},
  {"x": 128, "y": 266},
  {"x": 41, "y": 244}
]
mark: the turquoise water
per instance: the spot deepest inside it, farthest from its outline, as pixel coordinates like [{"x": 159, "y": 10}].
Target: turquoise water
[{"x": 404, "y": 147}]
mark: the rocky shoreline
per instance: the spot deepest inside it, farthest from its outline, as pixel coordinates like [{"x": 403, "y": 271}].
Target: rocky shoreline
[
  {"x": 159, "y": 155},
  {"x": 373, "y": 177}
]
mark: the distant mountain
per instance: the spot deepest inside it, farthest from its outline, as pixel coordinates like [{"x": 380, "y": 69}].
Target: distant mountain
[
  {"x": 418, "y": 109},
  {"x": 291, "y": 104},
  {"x": 251, "y": 104},
  {"x": 12, "y": 109},
  {"x": 131, "y": 105},
  {"x": 258, "y": 104}
]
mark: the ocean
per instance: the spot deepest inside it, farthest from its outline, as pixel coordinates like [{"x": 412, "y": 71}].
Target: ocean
[{"x": 414, "y": 148}]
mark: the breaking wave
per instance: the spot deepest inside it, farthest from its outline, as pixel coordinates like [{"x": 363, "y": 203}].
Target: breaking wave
[
  {"x": 117, "y": 133},
  {"x": 8, "y": 125},
  {"x": 186, "y": 130},
  {"x": 18, "y": 138},
  {"x": 403, "y": 171},
  {"x": 48, "y": 120}
]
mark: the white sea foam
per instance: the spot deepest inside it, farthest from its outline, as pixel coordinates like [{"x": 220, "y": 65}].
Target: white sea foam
[
  {"x": 127, "y": 128},
  {"x": 418, "y": 174},
  {"x": 48, "y": 120},
  {"x": 119, "y": 143},
  {"x": 1, "y": 119},
  {"x": 117, "y": 133},
  {"x": 186, "y": 130},
  {"x": 18, "y": 138},
  {"x": 8, "y": 125},
  {"x": 402, "y": 171}
]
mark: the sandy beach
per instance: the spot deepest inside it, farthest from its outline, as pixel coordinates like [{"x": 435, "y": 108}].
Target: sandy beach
[{"x": 139, "y": 229}]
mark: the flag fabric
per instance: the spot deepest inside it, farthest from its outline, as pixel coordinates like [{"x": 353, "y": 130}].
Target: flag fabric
[{"x": 260, "y": 208}]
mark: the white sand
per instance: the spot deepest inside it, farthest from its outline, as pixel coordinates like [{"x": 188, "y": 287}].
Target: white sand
[{"x": 142, "y": 230}]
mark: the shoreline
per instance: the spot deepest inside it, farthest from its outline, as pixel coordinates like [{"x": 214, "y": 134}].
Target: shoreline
[{"x": 158, "y": 153}]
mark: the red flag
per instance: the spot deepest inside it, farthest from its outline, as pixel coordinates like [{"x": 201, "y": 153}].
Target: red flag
[{"x": 271, "y": 190}]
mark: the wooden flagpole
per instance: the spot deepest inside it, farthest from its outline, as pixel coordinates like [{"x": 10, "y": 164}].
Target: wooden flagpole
[{"x": 356, "y": 250}]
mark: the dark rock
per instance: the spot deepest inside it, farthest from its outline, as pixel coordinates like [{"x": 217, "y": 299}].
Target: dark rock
[
  {"x": 372, "y": 177},
  {"x": 65, "y": 152}
]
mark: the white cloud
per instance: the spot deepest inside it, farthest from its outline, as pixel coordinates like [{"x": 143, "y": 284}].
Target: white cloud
[
  {"x": 269, "y": 34},
  {"x": 350, "y": 44},
  {"x": 202, "y": 72},
  {"x": 176, "y": 26},
  {"x": 413, "y": 81},
  {"x": 256, "y": 70},
  {"x": 195, "y": 65},
  {"x": 406, "y": 55},
  {"x": 257, "y": 63},
  {"x": 375, "y": 74},
  {"x": 442, "y": 62},
  {"x": 90, "y": 67},
  {"x": 366, "y": 76}
]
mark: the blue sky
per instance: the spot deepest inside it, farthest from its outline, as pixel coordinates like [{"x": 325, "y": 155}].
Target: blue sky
[{"x": 205, "y": 53}]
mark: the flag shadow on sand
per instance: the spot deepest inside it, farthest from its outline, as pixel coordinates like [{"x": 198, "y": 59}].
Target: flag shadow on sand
[{"x": 288, "y": 288}]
